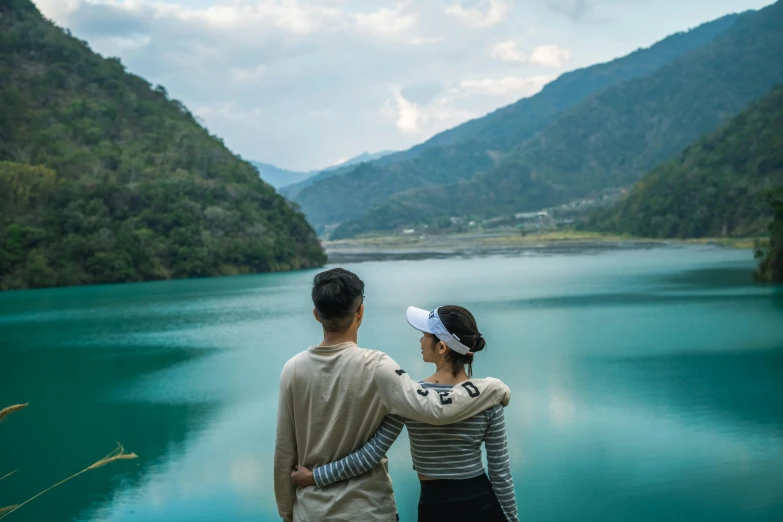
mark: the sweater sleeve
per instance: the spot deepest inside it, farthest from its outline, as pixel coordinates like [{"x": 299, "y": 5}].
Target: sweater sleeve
[
  {"x": 285, "y": 452},
  {"x": 499, "y": 465},
  {"x": 403, "y": 396},
  {"x": 365, "y": 458}
]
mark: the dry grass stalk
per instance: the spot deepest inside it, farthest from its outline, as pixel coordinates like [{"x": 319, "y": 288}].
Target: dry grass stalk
[
  {"x": 9, "y": 410},
  {"x": 6, "y": 476},
  {"x": 117, "y": 454},
  {"x": 7, "y": 509}
]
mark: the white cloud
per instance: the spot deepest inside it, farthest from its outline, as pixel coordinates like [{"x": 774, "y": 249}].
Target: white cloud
[
  {"x": 299, "y": 83},
  {"x": 486, "y": 13},
  {"x": 340, "y": 161},
  {"x": 508, "y": 52},
  {"x": 287, "y": 15},
  {"x": 430, "y": 40},
  {"x": 228, "y": 111},
  {"x": 129, "y": 43},
  {"x": 448, "y": 109},
  {"x": 504, "y": 87},
  {"x": 57, "y": 9},
  {"x": 550, "y": 56},
  {"x": 544, "y": 55},
  {"x": 407, "y": 114},
  {"x": 386, "y": 21},
  {"x": 424, "y": 120}
]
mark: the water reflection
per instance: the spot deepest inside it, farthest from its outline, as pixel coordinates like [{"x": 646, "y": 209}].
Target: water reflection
[{"x": 70, "y": 425}]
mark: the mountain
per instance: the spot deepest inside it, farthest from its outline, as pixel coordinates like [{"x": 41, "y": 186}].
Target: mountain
[
  {"x": 278, "y": 177},
  {"x": 364, "y": 157},
  {"x": 476, "y": 146},
  {"x": 282, "y": 178},
  {"x": 718, "y": 187},
  {"x": 612, "y": 138},
  {"x": 105, "y": 179},
  {"x": 292, "y": 191}
]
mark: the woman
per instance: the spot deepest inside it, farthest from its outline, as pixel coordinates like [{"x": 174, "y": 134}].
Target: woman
[{"x": 454, "y": 485}]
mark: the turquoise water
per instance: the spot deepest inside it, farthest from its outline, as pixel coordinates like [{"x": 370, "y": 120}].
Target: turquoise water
[{"x": 648, "y": 385}]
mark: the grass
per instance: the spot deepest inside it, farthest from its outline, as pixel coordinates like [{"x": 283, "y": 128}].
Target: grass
[
  {"x": 117, "y": 454},
  {"x": 728, "y": 242},
  {"x": 555, "y": 236},
  {"x": 8, "y": 474},
  {"x": 11, "y": 409},
  {"x": 513, "y": 237}
]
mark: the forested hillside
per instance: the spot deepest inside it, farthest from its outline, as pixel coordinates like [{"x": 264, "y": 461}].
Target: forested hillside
[
  {"x": 105, "y": 179},
  {"x": 718, "y": 187},
  {"x": 476, "y": 146},
  {"x": 612, "y": 138},
  {"x": 771, "y": 255}
]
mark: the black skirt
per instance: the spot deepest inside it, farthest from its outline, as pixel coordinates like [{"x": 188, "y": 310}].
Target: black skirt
[{"x": 468, "y": 500}]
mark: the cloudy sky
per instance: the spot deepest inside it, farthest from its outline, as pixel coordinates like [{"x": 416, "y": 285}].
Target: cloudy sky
[{"x": 304, "y": 84}]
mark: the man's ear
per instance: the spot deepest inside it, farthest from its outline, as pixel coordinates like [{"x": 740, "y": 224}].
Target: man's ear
[
  {"x": 315, "y": 314},
  {"x": 360, "y": 313}
]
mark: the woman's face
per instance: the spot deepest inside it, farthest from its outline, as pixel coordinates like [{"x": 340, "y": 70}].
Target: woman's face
[{"x": 429, "y": 350}]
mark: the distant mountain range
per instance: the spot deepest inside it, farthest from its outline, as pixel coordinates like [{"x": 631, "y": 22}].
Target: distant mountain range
[
  {"x": 278, "y": 177},
  {"x": 610, "y": 139},
  {"x": 480, "y": 145},
  {"x": 281, "y": 178}
]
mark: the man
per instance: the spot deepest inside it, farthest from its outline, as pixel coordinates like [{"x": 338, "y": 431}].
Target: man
[{"x": 332, "y": 399}]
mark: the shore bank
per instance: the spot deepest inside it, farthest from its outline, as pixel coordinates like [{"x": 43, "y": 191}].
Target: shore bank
[{"x": 384, "y": 248}]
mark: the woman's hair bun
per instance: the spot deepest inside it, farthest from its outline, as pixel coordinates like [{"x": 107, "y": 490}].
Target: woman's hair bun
[
  {"x": 460, "y": 321},
  {"x": 479, "y": 344}
]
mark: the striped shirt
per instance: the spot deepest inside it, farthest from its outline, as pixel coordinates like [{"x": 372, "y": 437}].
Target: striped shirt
[{"x": 451, "y": 452}]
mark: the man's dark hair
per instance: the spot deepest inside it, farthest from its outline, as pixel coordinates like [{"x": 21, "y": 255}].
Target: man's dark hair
[{"x": 337, "y": 295}]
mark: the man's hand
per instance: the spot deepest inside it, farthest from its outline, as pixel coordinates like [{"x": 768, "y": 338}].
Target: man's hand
[{"x": 302, "y": 477}]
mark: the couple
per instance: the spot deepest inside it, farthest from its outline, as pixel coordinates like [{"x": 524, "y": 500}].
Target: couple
[{"x": 341, "y": 407}]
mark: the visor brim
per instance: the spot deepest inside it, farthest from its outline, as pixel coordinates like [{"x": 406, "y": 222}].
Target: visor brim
[{"x": 419, "y": 319}]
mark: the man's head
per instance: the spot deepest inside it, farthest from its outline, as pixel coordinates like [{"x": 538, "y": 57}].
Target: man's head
[{"x": 338, "y": 297}]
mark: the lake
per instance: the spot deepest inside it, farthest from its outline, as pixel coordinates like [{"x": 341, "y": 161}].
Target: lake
[{"x": 647, "y": 385}]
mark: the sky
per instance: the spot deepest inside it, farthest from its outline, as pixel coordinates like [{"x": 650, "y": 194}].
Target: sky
[{"x": 304, "y": 84}]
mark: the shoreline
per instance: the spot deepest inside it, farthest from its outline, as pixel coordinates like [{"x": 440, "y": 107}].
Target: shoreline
[{"x": 406, "y": 248}]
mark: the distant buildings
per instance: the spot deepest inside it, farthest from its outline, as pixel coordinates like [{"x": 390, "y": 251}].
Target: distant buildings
[{"x": 532, "y": 215}]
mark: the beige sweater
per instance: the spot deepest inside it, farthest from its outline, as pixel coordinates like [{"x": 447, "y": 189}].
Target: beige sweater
[{"x": 332, "y": 400}]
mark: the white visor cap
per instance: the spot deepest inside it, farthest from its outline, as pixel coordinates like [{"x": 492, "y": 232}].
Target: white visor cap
[{"x": 429, "y": 322}]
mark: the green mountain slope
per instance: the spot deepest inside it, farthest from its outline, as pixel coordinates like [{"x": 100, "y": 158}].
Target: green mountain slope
[
  {"x": 104, "y": 179},
  {"x": 614, "y": 137},
  {"x": 341, "y": 197},
  {"x": 509, "y": 126},
  {"x": 717, "y": 187},
  {"x": 475, "y": 146}
]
